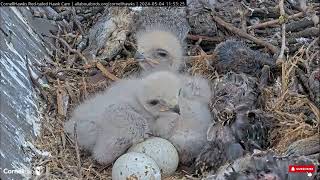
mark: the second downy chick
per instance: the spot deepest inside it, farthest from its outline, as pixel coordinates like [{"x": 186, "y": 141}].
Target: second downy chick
[{"x": 187, "y": 131}]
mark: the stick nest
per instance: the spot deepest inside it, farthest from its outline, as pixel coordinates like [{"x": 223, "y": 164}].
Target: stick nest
[{"x": 71, "y": 80}]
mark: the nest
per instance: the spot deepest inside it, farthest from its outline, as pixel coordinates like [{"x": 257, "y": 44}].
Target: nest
[
  {"x": 72, "y": 81},
  {"x": 297, "y": 117}
]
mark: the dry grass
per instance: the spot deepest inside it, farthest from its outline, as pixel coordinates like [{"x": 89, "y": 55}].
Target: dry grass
[
  {"x": 296, "y": 116},
  {"x": 124, "y": 68},
  {"x": 201, "y": 65},
  {"x": 64, "y": 162}
]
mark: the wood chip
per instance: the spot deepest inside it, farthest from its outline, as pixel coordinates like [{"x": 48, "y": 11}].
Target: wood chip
[
  {"x": 105, "y": 72},
  {"x": 62, "y": 100}
]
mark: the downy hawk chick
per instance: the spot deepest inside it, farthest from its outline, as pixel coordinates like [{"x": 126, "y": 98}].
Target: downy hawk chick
[
  {"x": 160, "y": 36},
  {"x": 187, "y": 131},
  {"x": 111, "y": 122}
]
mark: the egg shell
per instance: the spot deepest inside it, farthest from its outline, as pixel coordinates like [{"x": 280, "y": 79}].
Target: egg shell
[
  {"x": 161, "y": 151},
  {"x": 135, "y": 165}
]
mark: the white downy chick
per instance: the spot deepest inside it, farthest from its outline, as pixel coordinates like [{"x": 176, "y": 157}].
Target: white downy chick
[{"x": 108, "y": 124}]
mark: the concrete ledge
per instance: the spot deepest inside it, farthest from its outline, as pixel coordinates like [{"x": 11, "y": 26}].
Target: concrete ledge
[{"x": 19, "y": 104}]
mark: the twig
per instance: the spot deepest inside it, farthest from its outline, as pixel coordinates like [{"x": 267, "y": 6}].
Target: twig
[
  {"x": 34, "y": 81},
  {"x": 283, "y": 32},
  {"x": 77, "y": 150},
  {"x": 243, "y": 17},
  {"x": 76, "y": 21},
  {"x": 189, "y": 59},
  {"x": 71, "y": 93},
  {"x": 243, "y": 34},
  {"x": 310, "y": 45},
  {"x": 105, "y": 72},
  {"x": 85, "y": 92},
  {"x": 62, "y": 100},
  {"x": 55, "y": 72},
  {"x": 68, "y": 47},
  {"x": 204, "y": 38},
  {"x": 273, "y": 22}
]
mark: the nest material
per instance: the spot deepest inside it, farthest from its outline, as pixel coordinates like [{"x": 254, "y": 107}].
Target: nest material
[
  {"x": 70, "y": 81},
  {"x": 296, "y": 115},
  {"x": 293, "y": 113}
]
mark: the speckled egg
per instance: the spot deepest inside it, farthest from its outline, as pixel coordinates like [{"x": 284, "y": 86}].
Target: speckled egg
[
  {"x": 133, "y": 165},
  {"x": 161, "y": 151}
]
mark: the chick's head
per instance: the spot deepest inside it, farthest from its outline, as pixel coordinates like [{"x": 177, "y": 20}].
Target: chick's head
[
  {"x": 160, "y": 92},
  {"x": 158, "y": 49}
]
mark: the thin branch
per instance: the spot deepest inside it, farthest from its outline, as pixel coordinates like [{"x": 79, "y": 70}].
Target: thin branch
[
  {"x": 62, "y": 100},
  {"x": 77, "y": 150},
  {"x": 204, "y": 38},
  {"x": 243, "y": 34},
  {"x": 106, "y": 73},
  {"x": 273, "y": 22},
  {"x": 34, "y": 81},
  {"x": 68, "y": 47},
  {"x": 189, "y": 59},
  {"x": 283, "y": 32},
  {"x": 85, "y": 92},
  {"x": 309, "y": 46}
]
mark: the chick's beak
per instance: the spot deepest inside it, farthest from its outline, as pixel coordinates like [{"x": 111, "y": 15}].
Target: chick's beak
[
  {"x": 139, "y": 57},
  {"x": 145, "y": 63},
  {"x": 175, "y": 109}
]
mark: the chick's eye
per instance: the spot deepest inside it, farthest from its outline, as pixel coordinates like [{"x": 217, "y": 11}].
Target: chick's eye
[
  {"x": 153, "y": 102},
  {"x": 162, "y": 52}
]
